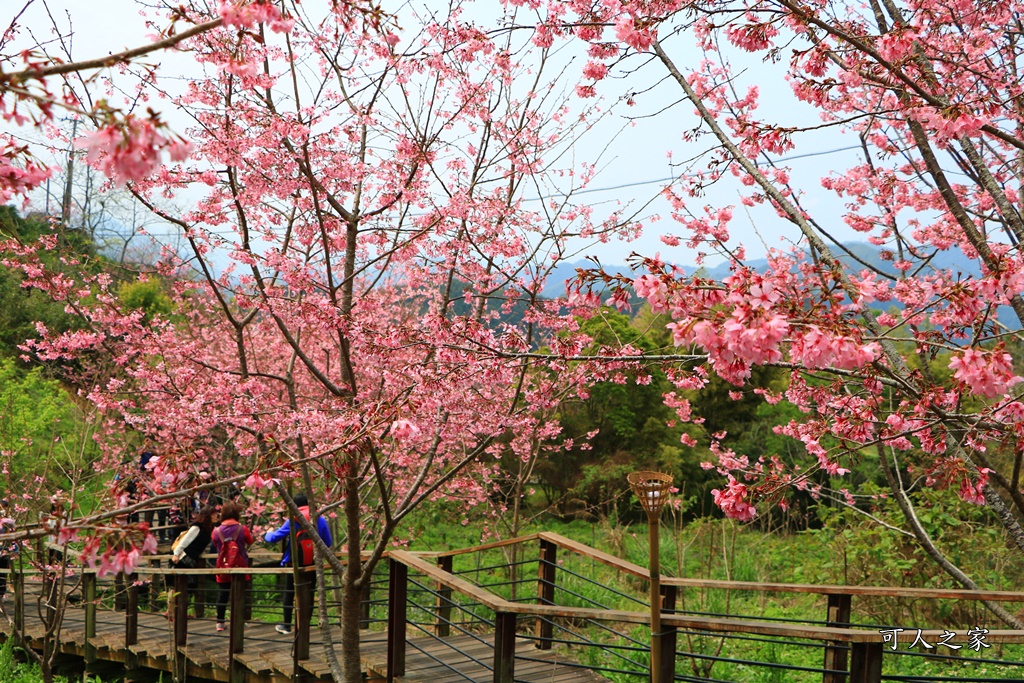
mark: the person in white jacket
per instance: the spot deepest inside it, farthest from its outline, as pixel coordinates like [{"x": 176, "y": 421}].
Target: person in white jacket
[{"x": 188, "y": 550}]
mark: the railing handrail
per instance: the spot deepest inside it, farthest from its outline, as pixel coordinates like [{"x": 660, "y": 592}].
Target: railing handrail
[
  {"x": 762, "y": 587},
  {"x": 595, "y": 554},
  {"x": 203, "y": 571},
  {"x": 478, "y": 548},
  {"x": 868, "y": 591},
  {"x": 197, "y": 571},
  {"x": 716, "y": 624},
  {"x": 640, "y": 572},
  {"x": 449, "y": 580},
  {"x": 259, "y": 554}
]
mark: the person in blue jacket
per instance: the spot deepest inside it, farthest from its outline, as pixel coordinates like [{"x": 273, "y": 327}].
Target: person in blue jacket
[{"x": 282, "y": 534}]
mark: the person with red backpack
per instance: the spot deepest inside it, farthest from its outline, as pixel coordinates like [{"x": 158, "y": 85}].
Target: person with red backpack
[
  {"x": 232, "y": 540},
  {"x": 303, "y": 550}
]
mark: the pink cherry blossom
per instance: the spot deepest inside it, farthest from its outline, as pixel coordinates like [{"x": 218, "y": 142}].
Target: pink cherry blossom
[
  {"x": 404, "y": 430},
  {"x": 257, "y": 481},
  {"x": 131, "y": 150},
  {"x": 734, "y": 501},
  {"x": 988, "y": 374}
]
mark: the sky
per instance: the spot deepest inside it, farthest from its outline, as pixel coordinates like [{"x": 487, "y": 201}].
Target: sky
[{"x": 634, "y": 166}]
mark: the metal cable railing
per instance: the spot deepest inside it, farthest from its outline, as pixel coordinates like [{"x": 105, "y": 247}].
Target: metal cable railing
[
  {"x": 591, "y": 620},
  {"x": 563, "y": 569},
  {"x": 449, "y": 666}
]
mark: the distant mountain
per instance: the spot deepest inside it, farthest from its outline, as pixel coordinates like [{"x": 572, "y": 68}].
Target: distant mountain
[
  {"x": 554, "y": 287},
  {"x": 861, "y": 255}
]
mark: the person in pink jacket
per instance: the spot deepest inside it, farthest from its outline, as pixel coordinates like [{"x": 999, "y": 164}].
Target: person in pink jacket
[{"x": 232, "y": 540}]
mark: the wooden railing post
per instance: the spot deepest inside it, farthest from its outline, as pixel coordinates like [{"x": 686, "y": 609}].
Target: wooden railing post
[
  {"x": 546, "y": 591},
  {"x": 504, "y": 647},
  {"x": 398, "y": 586},
  {"x": 131, "y": 633},
  {"x": 179, "y": 614},
  {"x": 18, "y": 581},
  {"x": 248, "y": 598},
  {"x": 835, "y": 653},
  {"x": 364, "y": 602},
  {"x": 236, "y": 640},
  {"x": 866, "y": 662},
  {"x": 89, "y": 599},
  {"x": 668, "y": 636},
  {"x": 303, "y": 621},
  {"x": 442, "y": 627},
  {"x": 131, "y": 616},
  {"x": 119, "y": 594},
  {"x": 201, "y": 593}
]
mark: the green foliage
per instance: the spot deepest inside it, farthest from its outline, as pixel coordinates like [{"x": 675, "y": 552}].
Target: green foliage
[
  {"x": 147, "y": 296},
  {"x": 21, "y": 308},
  {"x": 40, "y": 425},
  {"x": 723, "y": 413},
  {"x": 633, "y": 428},
  {"x": 862, "y": 552},
  {"x": 13, "y": 671},
  {"x": 628, "y": 418}
]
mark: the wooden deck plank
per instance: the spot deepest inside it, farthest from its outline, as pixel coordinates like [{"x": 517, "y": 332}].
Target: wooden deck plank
[
  {"x": 267, "y": 655},
  {"x": 254, "y": 663}
]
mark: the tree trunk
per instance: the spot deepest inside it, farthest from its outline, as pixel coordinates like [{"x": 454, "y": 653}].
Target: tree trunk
[
  {"x": 351, "y": 585},
  {"x": 46, "y": 669},
  {"x": 350, "y": 603}
]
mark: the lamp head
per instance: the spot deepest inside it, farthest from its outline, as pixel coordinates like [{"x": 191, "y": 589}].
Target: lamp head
[{"x": 651, "y": 489}]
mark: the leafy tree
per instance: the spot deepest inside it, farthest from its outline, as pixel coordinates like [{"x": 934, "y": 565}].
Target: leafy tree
[
  {"x": 41, "y": 428},
  {"x": 930, "y": 93},
  {"x": 148, "y": 296},
  {"x": 605, "y": 420},
  {"x": 21, "y": 308},
  {"x": 619, "y": 423},
  {"x": 361, "y": 204}
]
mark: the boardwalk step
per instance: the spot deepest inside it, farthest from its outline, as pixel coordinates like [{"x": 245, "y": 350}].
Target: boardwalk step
[
  {"x": 279, "y": 662},
  {"x": 152, "y": 647},
  {"x": 254, "y": 662},
  {"x": 267, "y": 655}
]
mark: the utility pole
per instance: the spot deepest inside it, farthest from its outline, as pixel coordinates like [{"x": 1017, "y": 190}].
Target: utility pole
[{"x": 65, "y": 207}]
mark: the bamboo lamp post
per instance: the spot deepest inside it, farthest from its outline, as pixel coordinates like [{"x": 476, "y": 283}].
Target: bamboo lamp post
[{"x": 652, "y": 489}]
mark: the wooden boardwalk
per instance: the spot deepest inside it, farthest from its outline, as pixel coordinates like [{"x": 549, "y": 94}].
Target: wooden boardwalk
[
  {"x": 445, "y": 624},
  {"x": 267, "y": 656}
]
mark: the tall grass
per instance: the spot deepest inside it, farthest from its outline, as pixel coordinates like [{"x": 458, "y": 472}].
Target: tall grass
[
  {"x": 14, "y": 671},
  {"x": 721, "y": 549}
]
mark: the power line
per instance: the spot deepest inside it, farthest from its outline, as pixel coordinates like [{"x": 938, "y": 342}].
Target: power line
[
  {"x": 639, "y": 183},
  {"x": 671, "y": 178}
]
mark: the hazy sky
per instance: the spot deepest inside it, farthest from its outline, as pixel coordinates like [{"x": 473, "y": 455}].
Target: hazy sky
[{"x": 634, "y": 166}]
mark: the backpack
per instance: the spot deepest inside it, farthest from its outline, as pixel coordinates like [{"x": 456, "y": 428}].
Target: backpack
[
  {"x": 179, "y": 539},
  {"x": 231, "y": 554},
  {"x": 303, "y": 549}
]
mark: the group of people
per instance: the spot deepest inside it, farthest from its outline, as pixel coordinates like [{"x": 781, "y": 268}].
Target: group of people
[{"x": 231, "y": 539}]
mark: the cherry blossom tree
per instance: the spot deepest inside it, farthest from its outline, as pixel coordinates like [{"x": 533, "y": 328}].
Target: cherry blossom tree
[
  {"x": 359, "y": 305},
  {"x": 911, "y": 360},
  {"x": 365, "y": 180}
]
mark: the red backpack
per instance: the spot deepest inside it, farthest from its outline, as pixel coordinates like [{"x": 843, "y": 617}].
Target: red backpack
[
  {"x": 232, "y": 551},
  {"x": 303, "y": 549}
]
